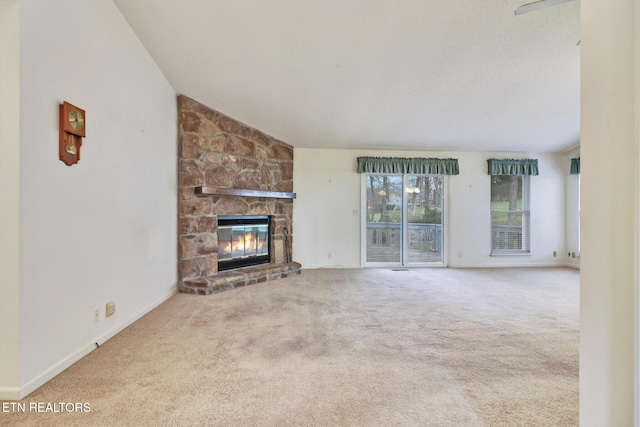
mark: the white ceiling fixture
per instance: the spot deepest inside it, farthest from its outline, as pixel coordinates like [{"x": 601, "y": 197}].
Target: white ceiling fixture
[{"x": 530, "y": 7}]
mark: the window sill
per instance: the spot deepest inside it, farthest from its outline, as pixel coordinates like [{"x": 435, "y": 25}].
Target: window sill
[{"x": 510, "y": 254}]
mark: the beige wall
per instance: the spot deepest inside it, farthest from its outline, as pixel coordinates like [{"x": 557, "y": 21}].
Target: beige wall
[
  {"x": 103, "y": 229},
  {"x": 328, "y": 208},
  {"x": 609, "y": 165},
  {"x": 9, "y": 196}
]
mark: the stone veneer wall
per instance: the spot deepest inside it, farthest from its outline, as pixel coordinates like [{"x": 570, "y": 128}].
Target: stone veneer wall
[{"x": 218, "y": 151}]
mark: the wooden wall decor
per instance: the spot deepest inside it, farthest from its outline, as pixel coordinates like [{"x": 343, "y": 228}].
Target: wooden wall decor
[{"x": 72, "y": 130}]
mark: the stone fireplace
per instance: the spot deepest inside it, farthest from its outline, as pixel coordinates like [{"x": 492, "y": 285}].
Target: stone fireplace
[{"x": 229, "y": 170}]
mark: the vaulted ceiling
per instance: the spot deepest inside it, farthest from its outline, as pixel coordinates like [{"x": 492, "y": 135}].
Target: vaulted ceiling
[{"x": 393, "y": 74}]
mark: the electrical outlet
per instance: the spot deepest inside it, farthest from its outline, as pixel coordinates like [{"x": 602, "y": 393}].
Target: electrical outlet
[
  {"x": 554, "y": 253},
  {"x": 96, "y": 315},
  {"x": 111, "y": 308},
  {"x": 330, "y": 255}
]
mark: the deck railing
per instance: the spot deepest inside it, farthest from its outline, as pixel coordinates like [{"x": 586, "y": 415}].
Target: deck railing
[
  {"x": 425, "y": 236},
  {"x": 429, "y": 236},
  {"x": 506, "y": 237}
]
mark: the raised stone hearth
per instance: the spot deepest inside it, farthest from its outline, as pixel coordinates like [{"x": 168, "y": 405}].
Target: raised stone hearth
[
  {"x": 239, "y": 277},
  {"x": 216, "y": 151}
]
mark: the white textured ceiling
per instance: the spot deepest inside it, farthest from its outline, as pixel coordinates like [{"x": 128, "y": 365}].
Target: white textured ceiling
[{"x": 391, "y": 74}]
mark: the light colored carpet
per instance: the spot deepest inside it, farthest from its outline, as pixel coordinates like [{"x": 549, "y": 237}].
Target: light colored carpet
[{"x": 372, "y": 347}]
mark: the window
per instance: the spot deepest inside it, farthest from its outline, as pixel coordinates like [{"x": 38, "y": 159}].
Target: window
[
  {"x": 404, "y": 220},
  {"x": 403, "y": 202},
  {"x": 509, "y": 214}
]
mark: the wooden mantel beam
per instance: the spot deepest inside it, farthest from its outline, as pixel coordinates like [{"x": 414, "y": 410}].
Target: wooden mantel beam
[{"x": 220, "y": 191}]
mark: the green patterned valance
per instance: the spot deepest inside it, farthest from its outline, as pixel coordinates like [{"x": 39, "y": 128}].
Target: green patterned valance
[
  {"x": 575, "y": 166},
  {"x": 513, "y": 166},
  {"x": 414, "y": 165}
]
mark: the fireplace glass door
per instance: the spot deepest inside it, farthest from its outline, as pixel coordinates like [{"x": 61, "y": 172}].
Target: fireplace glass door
[{"x": 242, "y": 241}]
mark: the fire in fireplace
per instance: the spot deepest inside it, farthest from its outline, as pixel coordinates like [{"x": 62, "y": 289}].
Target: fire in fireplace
[{"x": 243, "y": 240}]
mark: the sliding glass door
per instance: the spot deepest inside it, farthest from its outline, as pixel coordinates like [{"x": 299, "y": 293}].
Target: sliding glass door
[
  {"x": 404, "y": 220},
  {"x": 384, "y": 218},
  {"x": 424, "y": 218}
]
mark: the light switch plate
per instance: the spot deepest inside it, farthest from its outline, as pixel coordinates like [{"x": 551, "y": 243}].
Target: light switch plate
[{"x": 111, "y": 308}]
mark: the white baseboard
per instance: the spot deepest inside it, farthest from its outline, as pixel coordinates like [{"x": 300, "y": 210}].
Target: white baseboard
[
  {"x": 49, "y": 374},
  {"x": 451, "y": 265},
  {"x": 505, "y": 265},
  {"x": 329, "y": 267}
]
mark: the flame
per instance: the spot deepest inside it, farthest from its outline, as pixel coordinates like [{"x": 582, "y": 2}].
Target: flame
[
  {"x": 243, "y": 243},
  {"x": 249, "y": 243},
  {"x": 227, "y": 248},
  {"x": 238, "y": 244}
]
